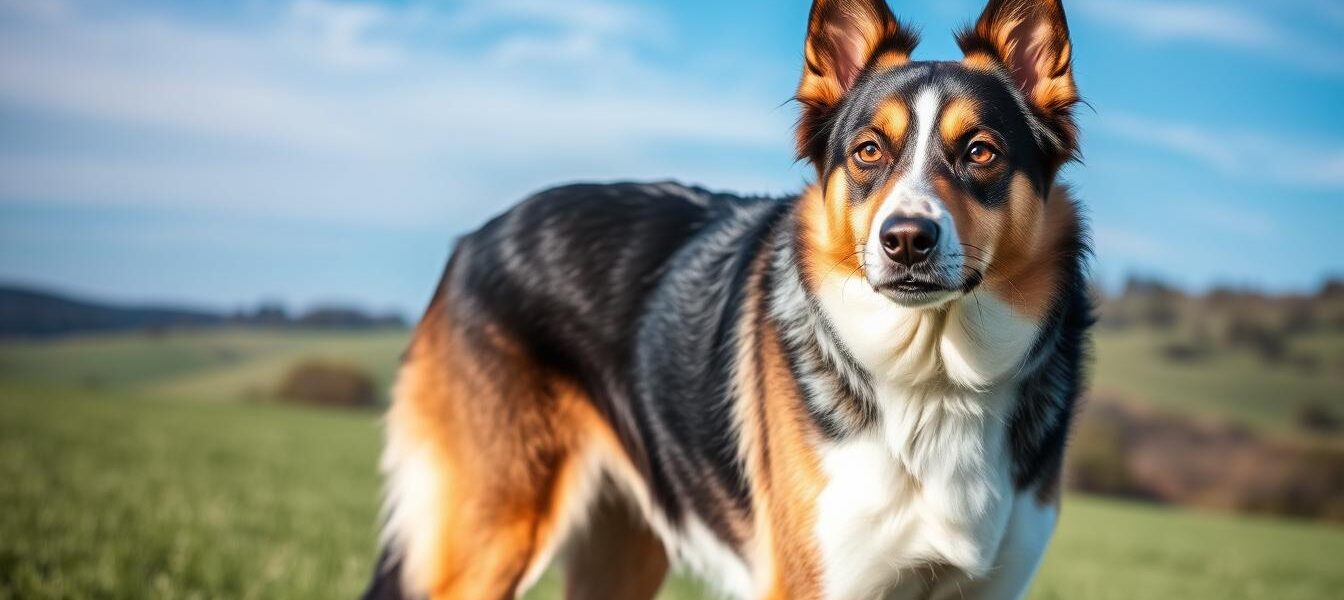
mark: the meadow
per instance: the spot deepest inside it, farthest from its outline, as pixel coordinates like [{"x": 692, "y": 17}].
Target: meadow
[
  {"x": 160, "y": 465},
  {"x": 1234, "y": 386}
]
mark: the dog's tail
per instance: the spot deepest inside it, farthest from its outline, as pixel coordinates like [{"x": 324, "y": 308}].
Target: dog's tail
[{"x": 386, "y": 583}]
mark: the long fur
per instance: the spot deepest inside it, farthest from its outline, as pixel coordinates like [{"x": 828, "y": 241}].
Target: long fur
[{"x": 636, "y": 375}]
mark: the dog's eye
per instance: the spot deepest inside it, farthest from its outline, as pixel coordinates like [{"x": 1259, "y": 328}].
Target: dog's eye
[
  {"x": 868, "y": 154},
  {"x": 981, "y": 153}
]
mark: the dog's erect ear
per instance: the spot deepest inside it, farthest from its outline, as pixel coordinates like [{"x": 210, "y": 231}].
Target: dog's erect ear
[
  {"x": 843, "y": 38},
  {"x": 1030, "y": 38}
]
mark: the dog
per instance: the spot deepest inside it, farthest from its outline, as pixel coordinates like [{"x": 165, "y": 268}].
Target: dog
[{"x": 863, "y": 391}]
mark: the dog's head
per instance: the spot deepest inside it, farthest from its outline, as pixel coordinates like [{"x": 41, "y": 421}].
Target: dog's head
[{"x": 934, "y": 177}]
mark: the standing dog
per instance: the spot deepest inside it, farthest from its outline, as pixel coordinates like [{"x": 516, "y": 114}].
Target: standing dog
[{"x": 860, "y": 392}]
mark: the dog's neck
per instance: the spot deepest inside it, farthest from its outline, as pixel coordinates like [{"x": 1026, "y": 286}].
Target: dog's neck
[
  {"x": 964, "y": 347},
  {"x": 970, "y": 343}
]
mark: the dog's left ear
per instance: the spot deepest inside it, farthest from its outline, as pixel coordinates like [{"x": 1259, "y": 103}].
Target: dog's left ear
[
  {"x": 1030, "y": 39},
  {"x": 844, "y": 37}
]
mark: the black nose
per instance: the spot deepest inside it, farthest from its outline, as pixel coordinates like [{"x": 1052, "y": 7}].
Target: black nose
[{"x": 909, "y": 240}]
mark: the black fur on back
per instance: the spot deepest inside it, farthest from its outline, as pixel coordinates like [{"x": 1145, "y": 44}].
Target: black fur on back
[{"x": 636, "y": 291}]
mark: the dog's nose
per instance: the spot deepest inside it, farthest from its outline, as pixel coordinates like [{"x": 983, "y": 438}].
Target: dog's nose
[{"x": 909, "y": 240}]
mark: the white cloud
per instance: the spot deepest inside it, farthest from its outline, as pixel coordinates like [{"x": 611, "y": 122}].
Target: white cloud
[
  {"x": 36, "y": 9},
  {"x": 1168, "y": 20},
  {"x": 1232, "y": 219},
  {"x": 364, "y": 111},
  {"x": 1132, "y": 245},
  {"x": 1241, "y": 154},
  {"x": 591, "y": 18},
  {"x": 339, "y": 33},
  {"x": 1224, "y": 24},
  {"x": 1330, "y": 170}
]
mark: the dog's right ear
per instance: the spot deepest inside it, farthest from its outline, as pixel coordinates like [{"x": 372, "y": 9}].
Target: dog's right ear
[{"x": 844, "y": 37}]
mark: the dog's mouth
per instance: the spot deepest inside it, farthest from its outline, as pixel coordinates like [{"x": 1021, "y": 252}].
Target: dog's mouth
[
  {"x": 914, "y": 290},
  {"x": 913, "y": 285}
]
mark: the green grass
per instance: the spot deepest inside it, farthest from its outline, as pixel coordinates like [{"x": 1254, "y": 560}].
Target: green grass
[
  {"x": 142, "y": 485},
  {"x": 1106, "y": 549},
  {"x": 119, "y": 497},
  {"x": 1232, "y": 385},
  {"x": 205, "y": 365}
]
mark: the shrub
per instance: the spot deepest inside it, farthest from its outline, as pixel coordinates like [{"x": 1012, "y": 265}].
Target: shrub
[
  {"x": 1300, "y": 317},
  {"x": 326, "y": 383},
  {"x": 1315, "y": 417},
  {"x": 1306, "y": 363},
  {"x": 1308, "y": 482},
  {"x": 1246, "y": 331},
  {"x": 1096, "y": 460},
  {"x": 1184, "y": 352},
  {"x": 1332, "y": 288},
  {"x": 1125, "y": 450},
  {"x": 1162, "y": 312}
]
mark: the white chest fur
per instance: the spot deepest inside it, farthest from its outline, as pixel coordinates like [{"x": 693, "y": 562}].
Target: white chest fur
[{"x": 930, "y": 483}]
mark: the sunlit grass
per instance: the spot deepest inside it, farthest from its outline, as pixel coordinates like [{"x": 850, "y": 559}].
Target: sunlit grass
[
  {"x": 130, "y": 488},
  {"x": 1234, "y": 385},
  {"x": 116, "y": 497}
]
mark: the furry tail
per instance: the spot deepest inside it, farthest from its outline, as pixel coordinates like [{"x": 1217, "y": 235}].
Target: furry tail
[{"x": 386, "y": 583}]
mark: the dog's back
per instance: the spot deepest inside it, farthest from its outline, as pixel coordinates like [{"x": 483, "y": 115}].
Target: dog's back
[{"x": 562, "y": 346}]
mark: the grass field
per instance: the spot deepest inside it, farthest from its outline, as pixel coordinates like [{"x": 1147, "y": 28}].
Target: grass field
[
  {"x": 1234, "y": 385},
  {"x": 135, "y": 467}
]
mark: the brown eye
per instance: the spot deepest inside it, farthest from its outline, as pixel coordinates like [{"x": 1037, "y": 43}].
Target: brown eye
[
  {"x": 868, "y": 154},
  {"x": 981, "y": 153}
]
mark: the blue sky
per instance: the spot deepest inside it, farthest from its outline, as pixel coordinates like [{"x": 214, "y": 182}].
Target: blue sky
[{"x": 311, "y": 151}]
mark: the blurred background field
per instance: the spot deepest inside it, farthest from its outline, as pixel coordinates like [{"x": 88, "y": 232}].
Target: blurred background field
[
  {"x": 243, "y": 205},
  {"x": 166, "y": 462}
]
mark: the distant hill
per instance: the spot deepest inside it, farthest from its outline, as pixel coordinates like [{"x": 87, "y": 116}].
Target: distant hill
[{"x": 26, "y": 312}]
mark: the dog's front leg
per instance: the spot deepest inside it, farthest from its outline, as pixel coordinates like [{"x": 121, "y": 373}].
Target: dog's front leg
[{"x": 1019, "y": 555}]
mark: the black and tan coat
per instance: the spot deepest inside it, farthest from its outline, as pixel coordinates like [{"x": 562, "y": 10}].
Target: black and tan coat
[{"x": 860, "y": 392}]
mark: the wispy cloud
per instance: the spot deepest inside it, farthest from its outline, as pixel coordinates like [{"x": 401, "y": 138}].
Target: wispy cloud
[
  {"x": 1242, "y": 154},
  {"x": 39, "y": 9},
  {"x": 1225, "y": 24},
  {"x": 1207, "y": 22},
  {"x": 340, "y": 33},
  {"x": 338, "y": 102},
  {"x": 605, "y": 22},
  {"x": 1231, "y": 219},
  {"x": 1134, "y": 245}
]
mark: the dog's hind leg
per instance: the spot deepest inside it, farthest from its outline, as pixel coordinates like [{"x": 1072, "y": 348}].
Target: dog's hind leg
[
  {"x": 616, "y": 556},
  {"x": 484, "y": 462}
]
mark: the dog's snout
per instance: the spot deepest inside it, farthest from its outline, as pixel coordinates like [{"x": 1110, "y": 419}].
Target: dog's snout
[{"x": 909, "y": 240}]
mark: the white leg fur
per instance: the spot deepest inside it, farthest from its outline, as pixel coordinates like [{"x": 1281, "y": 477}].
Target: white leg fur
[
  {"x": 1019, "y": 556},
  {"x": 411, "y": 506}
]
